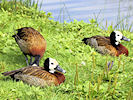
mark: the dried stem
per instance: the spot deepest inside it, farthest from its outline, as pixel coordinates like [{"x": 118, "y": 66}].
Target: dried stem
[{"x": 76, "y": 76}]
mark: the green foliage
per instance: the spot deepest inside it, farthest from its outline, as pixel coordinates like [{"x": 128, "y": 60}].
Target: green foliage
[
  {"x": 21, "y": 9},
  {"x": 87, "y": 76},
  {"x": 15, "y": 4}
]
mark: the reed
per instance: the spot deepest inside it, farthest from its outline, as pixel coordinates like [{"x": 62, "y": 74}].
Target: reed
[
  {"x": 13, "y": 4},
  {"x": 93, "y": 67},
  {"x": 109, "y": 84},
  {"x": 2, "y": 66},
  {"x": 93, "y": 59},
  {"x": 107, "y": 67},
  {"x": 86, "y": 97},
  {"x": 130, "y": 94},
  {"x": 119, "y": 61},
  {"x": 123, "y": 22},
  {"x": 64, "y": 11},
  {"x": 76, "y": 79},
  {"x": 123, "y": 66},
  {"x": 115, "y": 82},
  {"x": 99, "y": 80},
  {"x": 90, "y": 97}
]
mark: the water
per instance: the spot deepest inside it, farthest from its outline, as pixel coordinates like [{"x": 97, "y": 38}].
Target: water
[{"x": 111, "y": 11}]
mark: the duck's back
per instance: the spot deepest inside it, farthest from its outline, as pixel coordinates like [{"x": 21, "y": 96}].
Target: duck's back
[
  {"x": 36, "y": 76},
  {"x": 30, "y": 41},
  {"x": 101, "y": 44}
]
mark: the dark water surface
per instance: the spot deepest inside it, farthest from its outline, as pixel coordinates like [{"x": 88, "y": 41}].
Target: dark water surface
[{"x": 111, "y": 10}]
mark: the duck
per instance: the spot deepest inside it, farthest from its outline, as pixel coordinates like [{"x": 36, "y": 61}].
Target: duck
[
  {"x": 108, "y": 45},
  {"x": 31, "y": 43},
  {"x": 50, "y": 74}
]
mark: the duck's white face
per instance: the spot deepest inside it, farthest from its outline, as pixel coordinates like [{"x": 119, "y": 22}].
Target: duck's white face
[
  {"x": 118, "y": 37},
  {"x": 54, "y": 66}
]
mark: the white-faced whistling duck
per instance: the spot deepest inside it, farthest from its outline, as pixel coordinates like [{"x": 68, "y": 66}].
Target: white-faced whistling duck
[
  {"x": 50, "y": 74},
  {"x": 31, "y": 43},
  {"x": 108, "y": 45}
]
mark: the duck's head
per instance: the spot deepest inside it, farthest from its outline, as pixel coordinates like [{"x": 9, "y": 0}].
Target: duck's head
[
  {"x": 51, "y": 65},
  {"x": 116, "y": 37}
]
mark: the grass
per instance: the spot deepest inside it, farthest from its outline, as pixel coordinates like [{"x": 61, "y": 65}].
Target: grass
[
  {"x": 87, "y": 76},
  {"x": 7, "y": 4}
]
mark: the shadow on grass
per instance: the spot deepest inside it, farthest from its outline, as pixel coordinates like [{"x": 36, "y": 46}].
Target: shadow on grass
[
  {"x": 10, "y": 61},
  {"x": 13, "y": 59},
  {"x": 6, "y": 78}
]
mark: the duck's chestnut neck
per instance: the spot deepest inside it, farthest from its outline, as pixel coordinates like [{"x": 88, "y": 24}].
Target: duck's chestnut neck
[{"x": 60, "y": 77}]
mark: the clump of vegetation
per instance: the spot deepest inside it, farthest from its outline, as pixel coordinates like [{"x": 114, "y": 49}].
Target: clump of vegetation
[
  {"x": 87, "y": 76},
  {"x": 24, "y": 8}
]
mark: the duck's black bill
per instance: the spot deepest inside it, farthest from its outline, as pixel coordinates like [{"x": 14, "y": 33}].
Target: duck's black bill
[
  {"x": 58, "y": 68},
  {"x": 125, "y": 39}
]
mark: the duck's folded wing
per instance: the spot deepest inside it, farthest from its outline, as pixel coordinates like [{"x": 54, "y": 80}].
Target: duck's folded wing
[
  {"x": 21, "y": 70},
  {"x": 97, "y": 41},
  {"x": 37, "y": 77}
]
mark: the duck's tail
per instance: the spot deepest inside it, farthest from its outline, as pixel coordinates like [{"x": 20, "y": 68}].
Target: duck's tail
[
  {"x": 85, "y": 40},
  {"x": 14, "y": 35},
  {"x": 10, "y": 73}
]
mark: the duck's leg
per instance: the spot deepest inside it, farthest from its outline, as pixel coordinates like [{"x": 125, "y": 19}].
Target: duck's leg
[
  {"x": 36, "y": 61},
  {"x": 26, "y": 58},
  {"x": 31, "y": 60}
]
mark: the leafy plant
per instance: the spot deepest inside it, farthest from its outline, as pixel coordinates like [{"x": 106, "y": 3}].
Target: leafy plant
[{"x": 87, "y": 76}]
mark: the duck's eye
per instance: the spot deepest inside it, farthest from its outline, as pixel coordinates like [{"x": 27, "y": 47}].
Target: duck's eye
[
  {"x": 118, "y": 35},
  {"x": 52, "y": 63}
]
